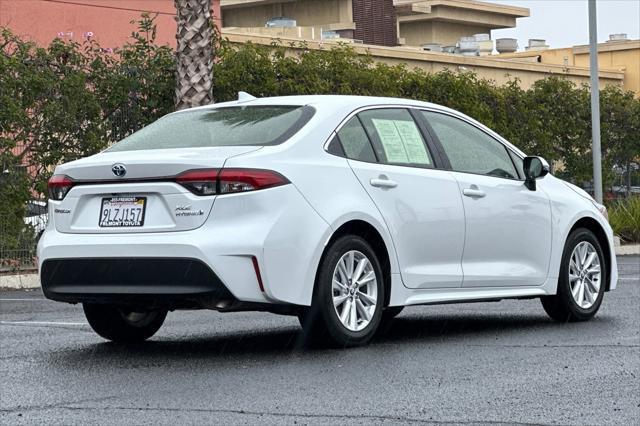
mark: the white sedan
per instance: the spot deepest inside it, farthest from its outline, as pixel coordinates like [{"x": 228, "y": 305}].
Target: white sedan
[{"x": 338, "y": 209}]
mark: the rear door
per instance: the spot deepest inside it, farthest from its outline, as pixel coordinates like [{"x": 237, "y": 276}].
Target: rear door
[
  {"x": 420, "y": 204},
  {"x": 508, "y": 227}
]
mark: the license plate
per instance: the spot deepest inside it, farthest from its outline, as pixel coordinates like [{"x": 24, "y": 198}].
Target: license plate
[{"x": 122, "y": 212}]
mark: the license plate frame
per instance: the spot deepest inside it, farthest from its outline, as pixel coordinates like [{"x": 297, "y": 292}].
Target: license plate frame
[{"x": 129, "y": 205}]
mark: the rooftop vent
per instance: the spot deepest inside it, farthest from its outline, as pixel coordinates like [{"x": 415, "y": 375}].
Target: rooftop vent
[
  {"x": 617, "y": 37},
  {"x": 506, "y": 45},
  {"x": 537, "y": 44}
]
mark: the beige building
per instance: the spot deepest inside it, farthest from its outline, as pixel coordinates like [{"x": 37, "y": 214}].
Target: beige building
[
  {"x": 491, "y": 67},
  {"x": 621, "y": 55},
  {"x": 393, "y": 31},
  {"x": 409, "y": 22},
  {"x": 445, "y": 21}
]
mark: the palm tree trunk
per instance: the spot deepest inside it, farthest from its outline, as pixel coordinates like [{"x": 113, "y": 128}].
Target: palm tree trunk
[{"x": 194, "y": 53}]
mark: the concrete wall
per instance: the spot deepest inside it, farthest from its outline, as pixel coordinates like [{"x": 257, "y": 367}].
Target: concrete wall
[
  {"x": 306, "y": 12},
  {"x": 623, "y": 56},
  {"x": 629, "y": 60},
  {"x": 497, "y": 70},
  {"x": 416, "y": 33}
]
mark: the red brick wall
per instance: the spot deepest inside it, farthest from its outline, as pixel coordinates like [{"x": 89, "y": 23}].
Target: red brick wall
[{"x": 107, "y": 21}]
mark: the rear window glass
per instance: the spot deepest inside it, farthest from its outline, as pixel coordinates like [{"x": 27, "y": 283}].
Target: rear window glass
[{"x": 228, "y": 126}]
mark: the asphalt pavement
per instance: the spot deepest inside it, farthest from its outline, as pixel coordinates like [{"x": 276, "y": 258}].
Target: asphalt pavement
[{"x": 482, "y": 363}]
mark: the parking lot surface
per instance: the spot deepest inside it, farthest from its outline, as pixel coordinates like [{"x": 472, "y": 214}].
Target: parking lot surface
[{"x": 482, "y": 363}]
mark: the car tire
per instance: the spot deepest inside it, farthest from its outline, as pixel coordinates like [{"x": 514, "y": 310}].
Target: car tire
[
  {"x": 580, "y": 287},
  {"x": 123, "y": 325},
  {"x": 353, "y": 321}
]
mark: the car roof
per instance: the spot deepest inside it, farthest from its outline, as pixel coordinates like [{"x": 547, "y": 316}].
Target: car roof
[{"x": 329, "y": 101}]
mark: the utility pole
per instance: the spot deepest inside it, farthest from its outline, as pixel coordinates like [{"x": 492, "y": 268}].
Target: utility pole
[{"x": 595, "y": 102}]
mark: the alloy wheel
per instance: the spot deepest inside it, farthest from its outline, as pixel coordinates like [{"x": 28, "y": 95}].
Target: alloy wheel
[
  {"x": 355, "y": 290},
  {"x": 584, "y": 274}
]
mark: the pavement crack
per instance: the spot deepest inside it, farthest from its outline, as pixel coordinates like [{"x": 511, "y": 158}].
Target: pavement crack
[
  {"x": 63, "y": 404},
  {"x": 396, "y": 418},
  {"x": 553, "y": 346}
]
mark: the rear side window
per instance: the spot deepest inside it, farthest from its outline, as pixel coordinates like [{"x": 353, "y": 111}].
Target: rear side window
[
  {"x": 396, "y": 137},
  {"x": 469, "y": 149},
  {"x": 355, "y": 142},
  {"x": 226, "y": 126}
]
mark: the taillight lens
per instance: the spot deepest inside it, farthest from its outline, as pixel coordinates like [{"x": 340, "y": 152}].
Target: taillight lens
[
  {"x": 243, "y": 180},
  {"x": 228, "y": 181},
  {"x": 59, "y": 186},
  {"x": 200, "y": 182}
]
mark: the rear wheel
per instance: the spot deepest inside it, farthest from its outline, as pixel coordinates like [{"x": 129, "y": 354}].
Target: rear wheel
[
  {"x": 582, "y": 279},
  {"x": 348, "y": 295},
  {"x": 120, "y": 324}
]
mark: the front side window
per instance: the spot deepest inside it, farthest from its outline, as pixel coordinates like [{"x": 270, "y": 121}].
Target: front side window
[
  {"x": 225, "y": 126},
  {"x": 469, "y": 149},
  {"x": 396, "y": 137},
  {"x": 519, "y": 163}
]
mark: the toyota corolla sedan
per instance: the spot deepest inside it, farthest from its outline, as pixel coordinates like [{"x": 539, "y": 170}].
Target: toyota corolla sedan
[{"x": 341, "y": 210}]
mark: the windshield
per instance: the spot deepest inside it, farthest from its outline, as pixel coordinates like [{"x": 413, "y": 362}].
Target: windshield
[{"x": 228, "y": 126}]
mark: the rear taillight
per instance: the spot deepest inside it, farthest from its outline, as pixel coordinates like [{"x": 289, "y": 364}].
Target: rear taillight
[
  {"x": 243, "y": 180},
  {"x": 59, "y": 186},
  {"x": 200, "y": 182},
  {"x": 228, "y": 181}
]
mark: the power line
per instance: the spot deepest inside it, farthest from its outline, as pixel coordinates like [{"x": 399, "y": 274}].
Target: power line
[{"x": 127, "y": 9}]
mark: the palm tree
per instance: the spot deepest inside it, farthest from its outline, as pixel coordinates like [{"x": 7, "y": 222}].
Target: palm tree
[{"x": 194, "y": 53}]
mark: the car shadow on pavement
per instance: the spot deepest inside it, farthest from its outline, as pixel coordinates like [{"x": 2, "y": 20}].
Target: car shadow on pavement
[{"x": 234, "y": 346}]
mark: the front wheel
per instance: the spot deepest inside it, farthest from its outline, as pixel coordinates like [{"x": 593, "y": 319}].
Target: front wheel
[
  {"x": 348, "y": 295},
  {"x": 123, "y": 325},
  {"x": 582, "y": 279}
]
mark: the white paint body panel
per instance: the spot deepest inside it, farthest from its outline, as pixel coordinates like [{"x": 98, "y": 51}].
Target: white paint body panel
[
  {"x": 511, "y": 247},
  {"x": 425, "y": 217},
  {"x": 508, "y": 233}
]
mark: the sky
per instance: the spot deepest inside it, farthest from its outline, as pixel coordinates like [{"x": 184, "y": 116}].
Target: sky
[{"x": 566, "y": 22}]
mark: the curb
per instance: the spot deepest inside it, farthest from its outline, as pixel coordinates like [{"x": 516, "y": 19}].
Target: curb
[
  {"x": 628, "y": 250},
  {"x": 31, "y": 281},
  {"x": 19, "y": 282}
]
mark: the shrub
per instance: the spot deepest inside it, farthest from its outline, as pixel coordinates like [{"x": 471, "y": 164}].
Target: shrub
[
  {"x": 624, "y": 217},
  {"x": 68, "y": 101}
]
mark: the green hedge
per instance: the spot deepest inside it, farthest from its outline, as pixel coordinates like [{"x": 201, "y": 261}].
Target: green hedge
[{"x": 69, "y": 100}]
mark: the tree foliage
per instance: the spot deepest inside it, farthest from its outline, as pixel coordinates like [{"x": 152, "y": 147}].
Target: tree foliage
[{"x": 70, "y": 100}]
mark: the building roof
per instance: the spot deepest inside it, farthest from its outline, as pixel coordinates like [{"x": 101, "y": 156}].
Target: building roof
[
  {"x": 474, "y": 12},
  {"x": 576, "y": 50}
]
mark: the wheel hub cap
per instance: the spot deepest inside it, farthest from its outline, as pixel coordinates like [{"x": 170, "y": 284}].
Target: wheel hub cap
[
  {"x": 584, "y": 274},
  {"x": 355, "y": 290}
]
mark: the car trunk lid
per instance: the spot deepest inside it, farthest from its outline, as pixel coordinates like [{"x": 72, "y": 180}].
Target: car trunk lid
[{"x": 136, "y": 191}]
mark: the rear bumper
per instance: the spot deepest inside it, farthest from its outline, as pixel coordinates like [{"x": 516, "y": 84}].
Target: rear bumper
[
  {"x": 262, "y": 225},
  {"x": 169, "y": 282}
]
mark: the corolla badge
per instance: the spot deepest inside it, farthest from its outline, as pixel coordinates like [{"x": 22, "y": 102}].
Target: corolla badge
[{"x": 119, "y": 170}]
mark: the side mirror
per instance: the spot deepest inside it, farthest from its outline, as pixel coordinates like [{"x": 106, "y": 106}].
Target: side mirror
[{"x": 534, "y": 168}]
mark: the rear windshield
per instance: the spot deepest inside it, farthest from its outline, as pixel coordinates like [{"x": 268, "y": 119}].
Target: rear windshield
[{"x": 227, "y": 126}]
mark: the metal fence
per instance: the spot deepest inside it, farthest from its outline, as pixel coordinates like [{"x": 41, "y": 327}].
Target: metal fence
[{"x": 18, "y": 252}]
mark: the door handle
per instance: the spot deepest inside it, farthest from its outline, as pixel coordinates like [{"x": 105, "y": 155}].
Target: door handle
[
  {"x": 473, "y": 192},
  {"x": 383, "y": 183}
]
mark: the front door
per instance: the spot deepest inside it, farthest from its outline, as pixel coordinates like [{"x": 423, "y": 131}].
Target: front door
[{"x": 508, "y": 227}]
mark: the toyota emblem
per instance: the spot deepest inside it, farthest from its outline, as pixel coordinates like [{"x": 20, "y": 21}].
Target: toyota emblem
[{"x": 119, "y": 170}]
